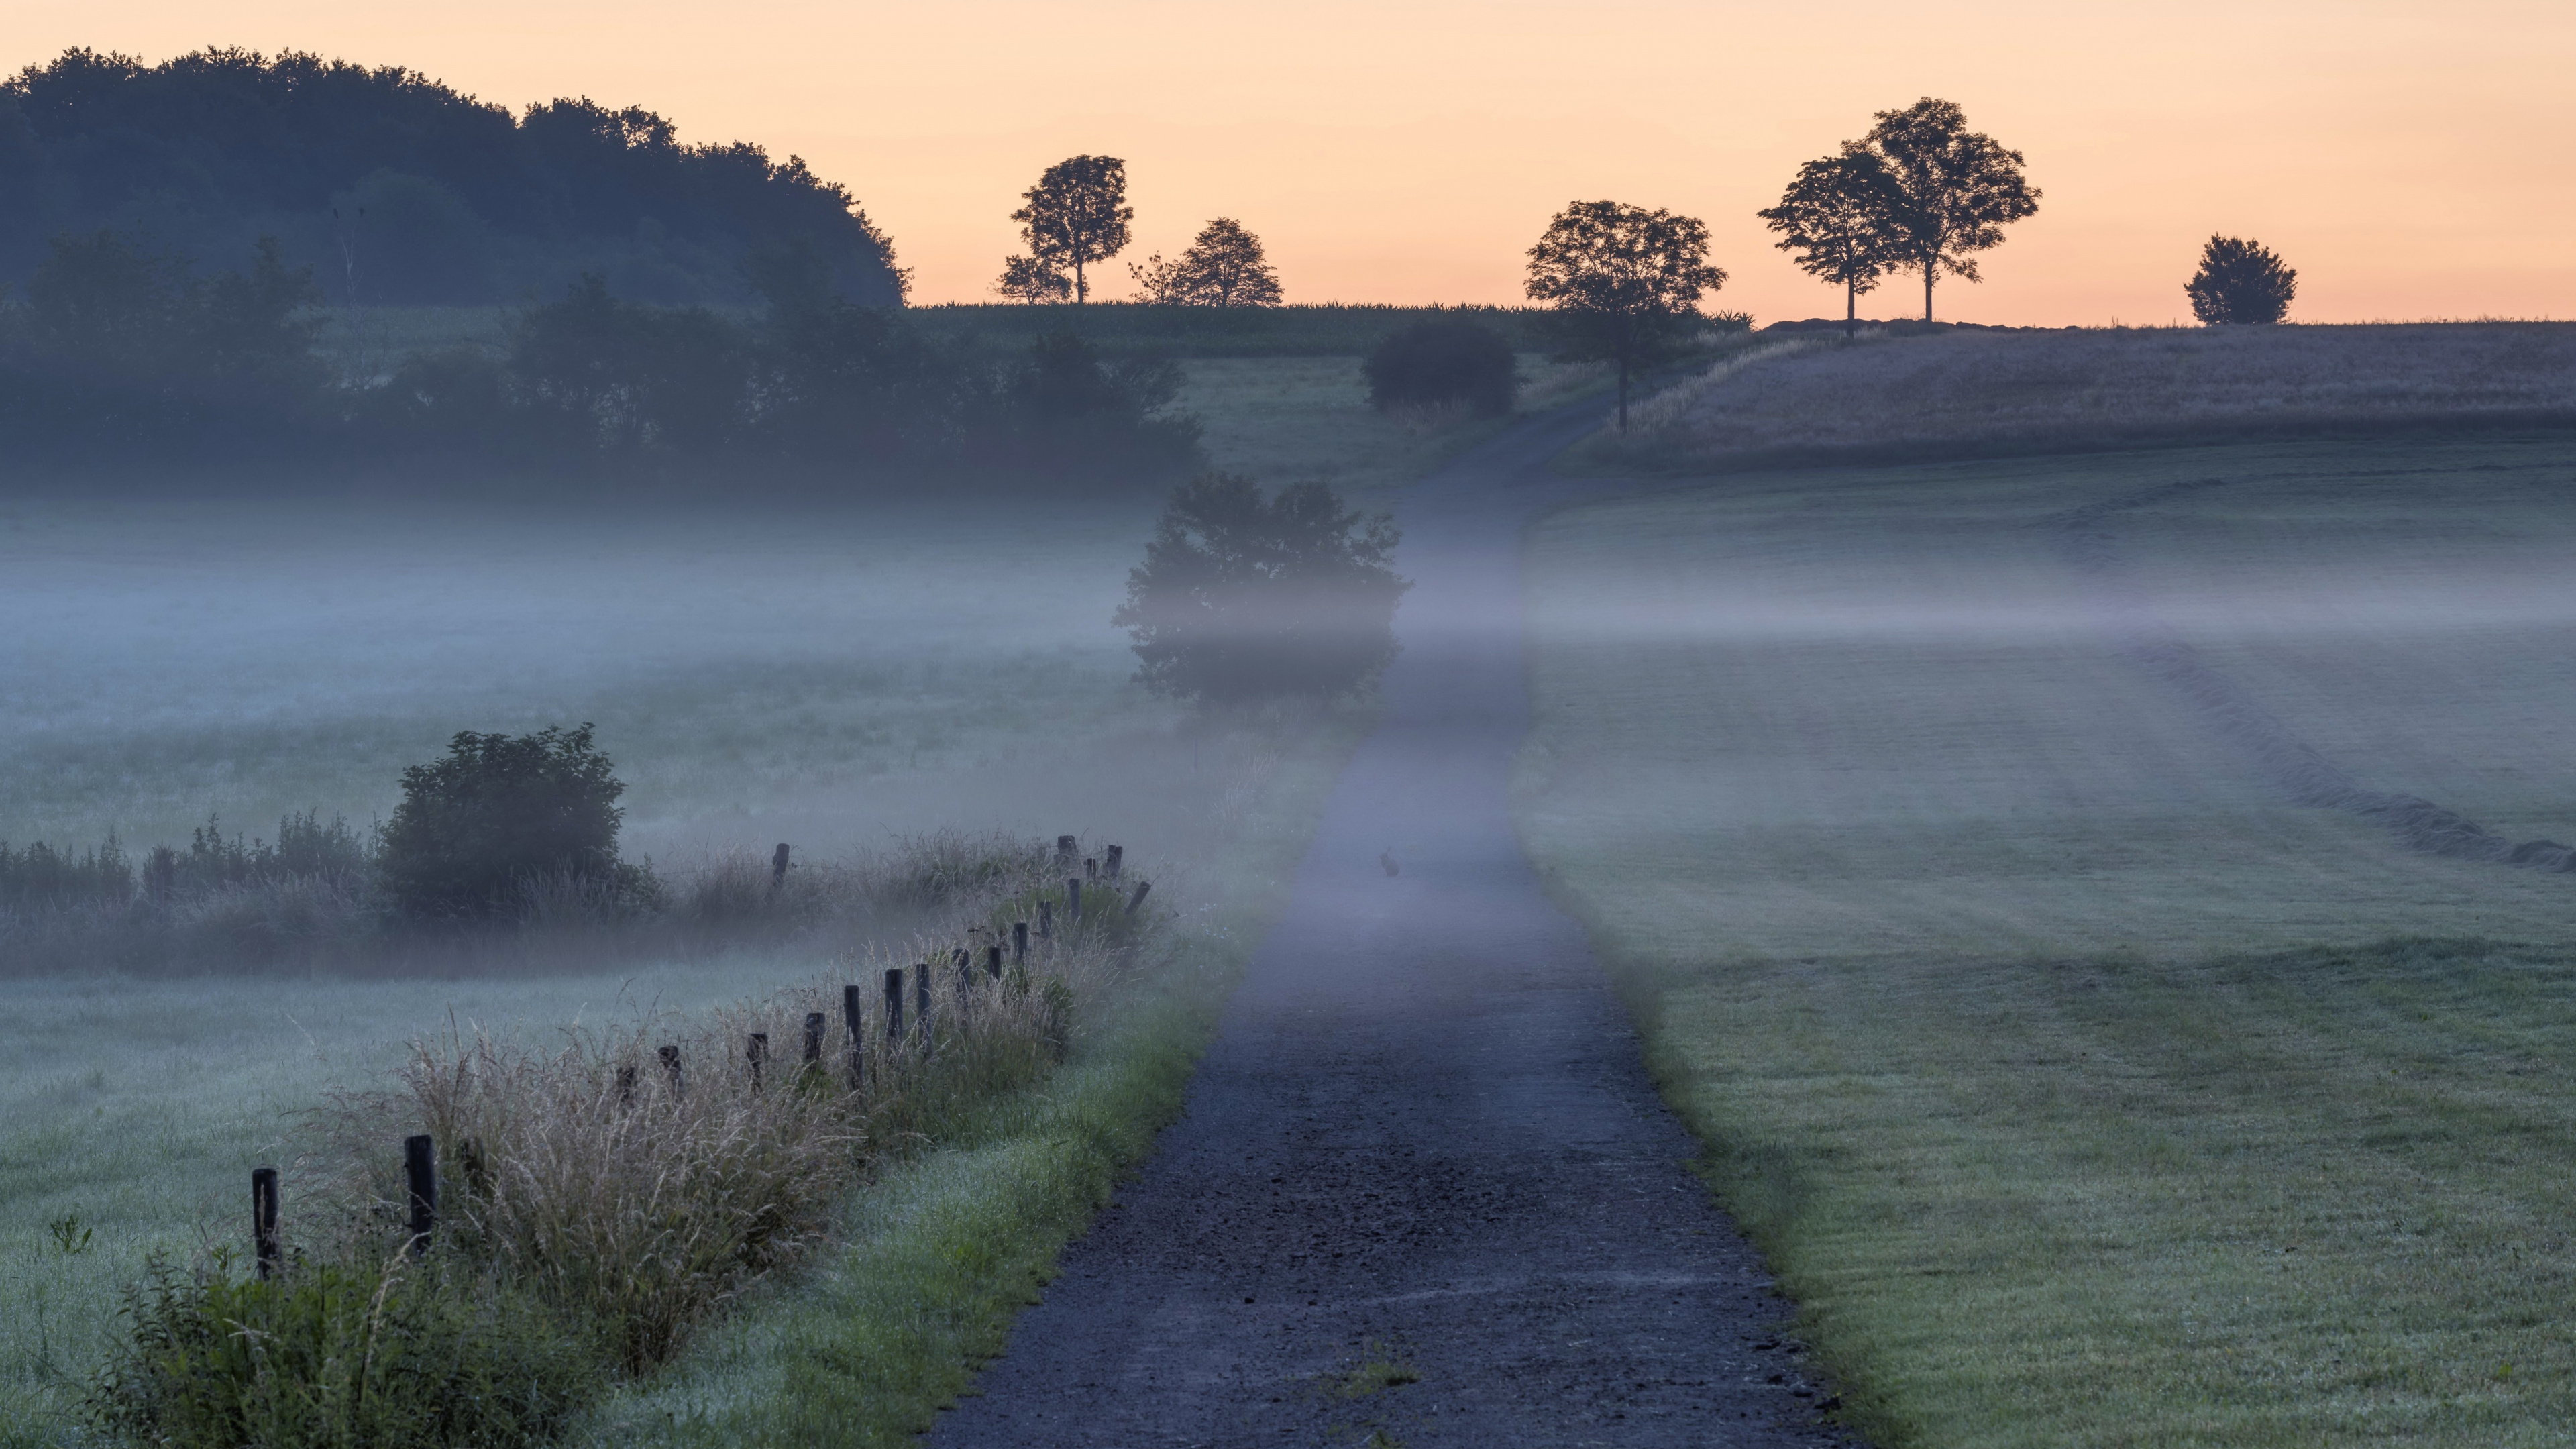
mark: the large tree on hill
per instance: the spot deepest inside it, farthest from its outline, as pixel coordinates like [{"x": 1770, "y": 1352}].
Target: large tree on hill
[
  {"x": 1626, "y": 283},
  {"x": 2240, "y": 282},
  {"x": 1953, "y": 190},
  {"x": 1835, "y": 217},
  {"x": 1224, "y": 267},
  {"x": 1076, "y": 215}
]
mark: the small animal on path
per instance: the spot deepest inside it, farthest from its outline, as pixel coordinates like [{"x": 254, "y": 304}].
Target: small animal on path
[{"x": 1386, "y": 859}]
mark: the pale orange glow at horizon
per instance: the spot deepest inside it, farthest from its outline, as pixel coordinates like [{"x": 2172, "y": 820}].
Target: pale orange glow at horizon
[{"x": 2411, "y": 160}]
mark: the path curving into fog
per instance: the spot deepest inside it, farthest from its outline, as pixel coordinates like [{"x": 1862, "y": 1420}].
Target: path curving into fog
[{"x": 1423, "y": 1131}]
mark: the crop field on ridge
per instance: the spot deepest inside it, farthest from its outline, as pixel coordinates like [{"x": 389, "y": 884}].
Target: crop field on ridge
[{"x": 2084, "y": 1088}]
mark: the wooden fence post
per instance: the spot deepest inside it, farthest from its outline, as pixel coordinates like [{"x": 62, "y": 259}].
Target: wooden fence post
[
  {"x": 263, "y": 1220},
  {"x": 758, "y": 1050},
  {"x": 993, "y": 962},
  {"x": 671, "y": 1067},
  {"x": 1138, "y": 898},
  {"x": 1065, "y": 848},
  {"x": 813, "y": 1036},
  {"x": 420, "y": 1181},
  {"x": 894, "y": 1003},
  {"x": 1090, "y": 868},
  {"x": 778, "y": 868},
  {"x": 858, "y": 1043},
  {"x": 1019, "y": 942},
  {"x": 1115, "y": 861},
  {"x": 1073, "y": 899}
]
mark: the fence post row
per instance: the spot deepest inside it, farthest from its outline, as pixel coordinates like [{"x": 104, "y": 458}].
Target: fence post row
[
  {"x": 778, "y": 868},
  {"x": 758, "y": 1050},
  {"x": 1019, "y": 942},
  {"x": 858, "y": 1043},
  {"x": 264, "y": 1245},
  {"x": 894, "y": 1003},
  {"x": 420, "y": 1180}
]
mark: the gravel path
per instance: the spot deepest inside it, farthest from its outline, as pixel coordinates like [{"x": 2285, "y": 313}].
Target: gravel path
[{"x": 1423, "y": 1136}]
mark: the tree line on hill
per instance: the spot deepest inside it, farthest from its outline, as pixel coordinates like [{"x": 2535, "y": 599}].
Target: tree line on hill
[
  {"x": 398, "y": 189},
  {"x": 117, "y": 355}
]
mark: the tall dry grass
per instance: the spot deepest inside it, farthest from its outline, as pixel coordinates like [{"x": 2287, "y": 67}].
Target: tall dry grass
[{"x": 1973, "y": 391}]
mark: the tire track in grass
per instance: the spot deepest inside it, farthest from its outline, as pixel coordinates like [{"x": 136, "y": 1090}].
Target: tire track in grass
[{"x": 2297, "y": 768}]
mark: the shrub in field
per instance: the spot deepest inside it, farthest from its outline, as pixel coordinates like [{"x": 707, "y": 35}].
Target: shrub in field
[
  {"x": 1443, "y": 362},
  {"x": 398, "y": 1354},
  {"x": 1244, "y": 598},
  {"x": 2240, "y": 282},
  {"x": 500, "y": 817}
]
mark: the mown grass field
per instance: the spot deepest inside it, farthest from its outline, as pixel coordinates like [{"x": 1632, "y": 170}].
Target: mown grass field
[
  {"x": 2083, "y": 1090},
  {"x": 834, "y": 678}
]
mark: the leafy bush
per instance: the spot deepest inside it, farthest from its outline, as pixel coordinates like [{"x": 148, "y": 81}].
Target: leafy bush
[
  {"x": 39, "y": 875},
  {"x": 1243, "y": 598},
  {"x": 2240, "y": 282},
  {"x": 412, "y": 1354},
  {"x": 500, "y": 816},
  {"x": 1443, "y": 362}
]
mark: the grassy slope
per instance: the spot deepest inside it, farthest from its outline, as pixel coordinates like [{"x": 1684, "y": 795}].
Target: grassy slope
[{"x": 2046, "y": 1051}]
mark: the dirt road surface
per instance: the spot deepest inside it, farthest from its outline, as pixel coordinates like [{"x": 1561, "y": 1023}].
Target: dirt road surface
[{"x": 1423, "y": 1137}]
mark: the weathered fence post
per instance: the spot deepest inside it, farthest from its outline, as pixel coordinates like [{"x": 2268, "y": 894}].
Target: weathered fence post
[
  {"x": 1138, "y": 898},
  {"x": 1090, "y": 868},
  {"x": 1046, "y": 920},
  {"x": 671, "y": 1067},
  {"x": 420, "y": 1181},
  {"x": 758, "y": 1050},
  {"x": 858, "y": 1043},
  {"x": 778, "y": 868},
  {"x": 1073, "y": 899},
  {"x": 813, "y": 1036},
  {"x": 993, "y": 962},
  {"x": 894, "y": 1003},
  {"x": 263, "y": 1220},
  {"x": 1019, "y": 942},
  {"x": 1115, "y": 861},
  {"x": 1065, "y": 848}
]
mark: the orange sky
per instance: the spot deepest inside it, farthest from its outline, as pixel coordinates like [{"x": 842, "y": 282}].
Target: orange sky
[{"x": 2412, "y": 160}]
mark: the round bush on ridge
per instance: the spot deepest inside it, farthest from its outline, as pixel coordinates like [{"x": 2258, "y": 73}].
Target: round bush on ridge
[
  {"x": 1444, "y": 362},
  {"x": 503, "y": 815}
]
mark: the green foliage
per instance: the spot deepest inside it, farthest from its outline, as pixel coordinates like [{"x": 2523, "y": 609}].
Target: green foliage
[
  {"x": 1076, "y": 215},
  {"x": 1626, "y": 284},
  {"x": 1224, "y": 267},
  {"x": 38, "y": 875},
  {"x": 413, "y": 1354},
  {"x": 1951, "y": 191},
  {"x": 500, "y": 815},
  {"x": 1835, "y": 216},
  {"x": 2240, "y": 282},
  {"x": 1444, "y": 362},
  {"x": 1243, "y": 598}
]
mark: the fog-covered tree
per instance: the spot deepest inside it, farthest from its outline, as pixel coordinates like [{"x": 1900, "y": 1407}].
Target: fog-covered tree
[
  {"x": 1626, "y": 283},
  {"x": 1952, "y": 191},
  {"x": 1224, "y": 267},
  {"x": 1026, "y": 279},
  {"x": 498, "y": 814},
  {"x": 1076, "y": 215},
  {"x": 1835, "y": 217},
  {"x": 2240, "y": 282},
  {"x": 1244, "y": 598}
]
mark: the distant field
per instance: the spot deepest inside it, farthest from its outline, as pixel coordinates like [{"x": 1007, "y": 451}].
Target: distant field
[
  {"x": 2042, "y": 1041},
  {"x": 1808, "y": 397}
]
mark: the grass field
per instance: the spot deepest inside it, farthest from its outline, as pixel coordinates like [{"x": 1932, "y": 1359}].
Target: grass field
[
  {"x": 836, "y": 679},
  {"x": 2066, "y": 1070}
]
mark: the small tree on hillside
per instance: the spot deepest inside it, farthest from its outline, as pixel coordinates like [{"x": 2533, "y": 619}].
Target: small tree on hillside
[
  {"x": 2240, "y": 282},
  {"x": 1835, "y": 217},
  {"x": 499, "y": 814},
  {"x": 1224, "y": 267},
  {"x": 1077, "y": 214},
  {"x": 1243, "y": 599},
  {"x": 1026, "y": 279},
  {"x": 1953, "y": 191},
  {"x": 1626, "y": 283}
]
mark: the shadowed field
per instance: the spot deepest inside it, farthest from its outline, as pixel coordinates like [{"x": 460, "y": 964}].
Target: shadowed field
[{"x": 2044, "y": 1040}]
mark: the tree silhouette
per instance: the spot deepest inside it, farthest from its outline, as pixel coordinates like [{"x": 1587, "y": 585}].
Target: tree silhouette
[
  {"x": 1953, "y": 190},
  {"x": 1026, "y": 279},
  {"x": 1626, "y": 283},
  {"x": 2240, "y": 282},
  {"x": 1834, "y": 215},
  {"x": 1077, "y": 214},
  {"x": 1243, "y": 599},
  {"x": 1224, "y": 267}
]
